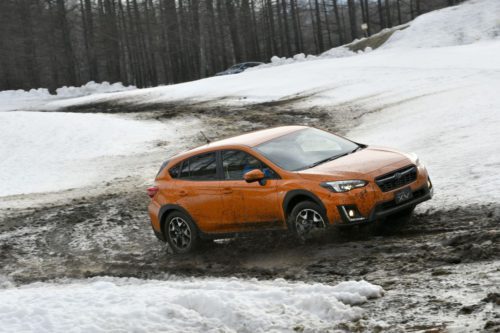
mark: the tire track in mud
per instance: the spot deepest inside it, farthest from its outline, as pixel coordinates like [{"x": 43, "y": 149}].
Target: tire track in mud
[
  {"x": 435, "y": 252},
  {"x": 110, "y": 235}
]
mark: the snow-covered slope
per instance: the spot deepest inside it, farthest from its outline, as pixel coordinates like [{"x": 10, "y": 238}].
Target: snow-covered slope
[
  {"x": 432, "y": 89},
  {"x": 196, "y": 305},
  {"x": 415, "y": 48},
  {"x": 472, "y": 21},
  {"x": 49, "y": 151}
]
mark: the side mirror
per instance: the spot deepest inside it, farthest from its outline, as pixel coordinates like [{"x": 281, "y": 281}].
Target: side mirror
[{"x": 255, "y": 175}]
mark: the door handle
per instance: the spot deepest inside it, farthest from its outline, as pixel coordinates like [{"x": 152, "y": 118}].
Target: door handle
[
  {"x": 183, "y": 193},
  {"x": 227, "y": 190}
]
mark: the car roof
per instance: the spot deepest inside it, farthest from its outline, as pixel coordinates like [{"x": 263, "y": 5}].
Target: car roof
[{"x": 251, "y": 139}]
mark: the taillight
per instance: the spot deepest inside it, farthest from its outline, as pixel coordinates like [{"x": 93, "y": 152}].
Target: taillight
[{"x": 152, "y": 191}]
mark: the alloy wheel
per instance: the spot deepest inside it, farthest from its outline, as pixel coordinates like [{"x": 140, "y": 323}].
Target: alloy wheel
[
  {"x": 179, "y": 232},
  {"x": 307, "y": 220}
]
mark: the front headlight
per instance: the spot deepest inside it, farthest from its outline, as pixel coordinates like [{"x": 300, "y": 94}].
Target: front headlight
[
  {"x": 344, "y": 185},
  {"x": 416, "y": 159}
]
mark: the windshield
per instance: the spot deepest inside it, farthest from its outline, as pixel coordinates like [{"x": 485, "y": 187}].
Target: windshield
[{"x": 305, "y": 149}]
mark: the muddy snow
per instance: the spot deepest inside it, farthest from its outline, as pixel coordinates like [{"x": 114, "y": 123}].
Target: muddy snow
[{"x": 75, "y": 235}]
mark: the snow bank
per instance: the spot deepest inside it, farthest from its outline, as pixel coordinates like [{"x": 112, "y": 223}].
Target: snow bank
[
  {"x": 53, "y": 151},
  {"x": 470, "y": 22},
  {"x": 336, "y": 52},
  {"x": 456, "y": 134},
  {"x": 195, "y": 305},
  {"x": 92, "y": 88},
  {"x": 22, "y": 99}
]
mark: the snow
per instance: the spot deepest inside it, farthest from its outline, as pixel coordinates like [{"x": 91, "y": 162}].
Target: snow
[
  {"x": 470, "y": 22},
  {"x": 92, "y": 88},
  {"x": 455, "y": 134},
  {"x": 431, "y": 89},
  {"x": 336, "y": 52},
  {"x": 50, "y": 151},
  {"x": 192, "y": 305},
  {"x": 22, "y": 99}
]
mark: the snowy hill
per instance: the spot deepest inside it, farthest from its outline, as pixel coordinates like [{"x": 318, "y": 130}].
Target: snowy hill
[
  {"x": 471, "y": 22},
  {"x": 432, "y": 89},
  {"x": 438, "y": 35}
]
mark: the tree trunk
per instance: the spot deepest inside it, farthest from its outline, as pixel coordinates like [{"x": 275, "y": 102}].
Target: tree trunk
[
  {"x": 286, "y": 29},
  {"x": 340, "y": 28},
  {"x": 388, "y": 13},
  {"x": 398, "y": 4},
  {"x": 69, "y": 55},
  {"x": 234, "y": 31},
  {"x": 296, "y": 26},
  {"x": 327, "y": 24},
  {"x": 319, "y": 29},
  {"x": 367, "y": 15},
  {"x": 381, "y": 14},
  {"x": 352, "y": 18},
  {"x": 29, "y": 45}
]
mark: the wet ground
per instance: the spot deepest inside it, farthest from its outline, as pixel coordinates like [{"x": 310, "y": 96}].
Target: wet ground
[
  {"x": 422, "y": 265},
  {"x": 441, "y": 270}
]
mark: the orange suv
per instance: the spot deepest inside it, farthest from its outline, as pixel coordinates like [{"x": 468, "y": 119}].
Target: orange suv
[{"x": 294, "y": 177}]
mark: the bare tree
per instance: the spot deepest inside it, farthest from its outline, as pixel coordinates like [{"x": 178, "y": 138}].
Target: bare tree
[{"x": 50, "y": 43}]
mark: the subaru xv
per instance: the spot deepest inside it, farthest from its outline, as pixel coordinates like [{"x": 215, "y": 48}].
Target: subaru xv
[{"x": 294, "y": 178}]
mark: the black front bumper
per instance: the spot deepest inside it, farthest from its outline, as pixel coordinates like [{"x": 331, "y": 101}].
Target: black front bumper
[{"x": 388, "y": 208}]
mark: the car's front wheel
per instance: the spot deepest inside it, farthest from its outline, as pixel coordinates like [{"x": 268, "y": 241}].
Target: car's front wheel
[
  {"x": 181, "y": 233},
  {"x": 305, "y": 219}
]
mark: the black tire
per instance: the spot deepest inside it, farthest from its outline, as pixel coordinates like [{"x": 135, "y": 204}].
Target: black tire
[
  {"x": 305, "y": 219},
  {"x": 181, "y": 233}
]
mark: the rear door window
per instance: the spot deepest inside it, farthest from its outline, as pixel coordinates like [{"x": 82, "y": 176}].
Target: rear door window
[{"x": 200, "y": 167}]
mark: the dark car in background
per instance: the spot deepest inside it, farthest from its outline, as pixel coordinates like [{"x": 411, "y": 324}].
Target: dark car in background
[{"x": 238, "y": 68}]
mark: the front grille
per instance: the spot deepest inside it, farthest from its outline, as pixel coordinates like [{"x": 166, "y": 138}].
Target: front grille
[{"x": 396, "y": 179}]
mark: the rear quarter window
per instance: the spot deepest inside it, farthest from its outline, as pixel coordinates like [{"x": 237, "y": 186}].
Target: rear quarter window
[
  {"x": 174, "y": 171},
  {"x": 163, "y": 165}
]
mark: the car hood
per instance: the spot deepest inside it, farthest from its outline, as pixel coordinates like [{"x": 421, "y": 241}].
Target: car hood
[{"x": 367, "y": 163}]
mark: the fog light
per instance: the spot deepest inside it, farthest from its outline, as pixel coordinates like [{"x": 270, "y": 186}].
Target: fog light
[
  {"x": 429, "y": 184},
  {"x": 350, "y": 213}
]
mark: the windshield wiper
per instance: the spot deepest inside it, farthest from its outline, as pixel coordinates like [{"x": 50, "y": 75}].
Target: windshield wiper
[
  {"x": 356, "y": 149},
  {"x": 324, "y": 161},
  {"x": 330, "y": 158}
]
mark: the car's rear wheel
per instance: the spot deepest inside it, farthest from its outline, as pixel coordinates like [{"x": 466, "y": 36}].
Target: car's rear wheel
[
  {"x": 181, "y": 233},
  {"x": 305, "y": 220}
]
